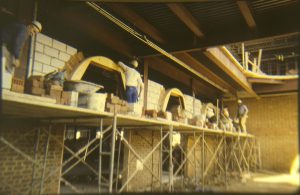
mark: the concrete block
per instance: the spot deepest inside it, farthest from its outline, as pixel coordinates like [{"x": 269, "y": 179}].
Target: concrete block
[
  {"x": 37, "y": 66},
  {"x": 41, "y": 38},
  {"x": 48, "y": 68},
  {"x": 51, "y": 51},
  {"x": 57, "y": 63},
  {"x": 64, "y": 56},
  {"x": 42, "y": 58},
  {"x": 59, "y": 45},
  {"x": 39, "y": 47},
  {"x": 71, "y": 50}
]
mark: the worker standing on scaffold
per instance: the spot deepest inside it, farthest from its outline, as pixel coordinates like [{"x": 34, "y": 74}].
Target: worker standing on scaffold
[
  {"x": 134, "y": 83},
  {"x": 242, "y": 115}
]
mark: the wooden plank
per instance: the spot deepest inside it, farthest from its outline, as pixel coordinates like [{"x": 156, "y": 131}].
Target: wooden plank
[
  {"x": 246, "y": 12},
  {"x": 187, "y": 18},
  {"x": 220, "y": 59},
  {"x": 137, "y": 21}
]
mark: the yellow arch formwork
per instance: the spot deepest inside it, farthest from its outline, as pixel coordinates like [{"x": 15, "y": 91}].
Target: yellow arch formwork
[{"x": 99, "y": 61}]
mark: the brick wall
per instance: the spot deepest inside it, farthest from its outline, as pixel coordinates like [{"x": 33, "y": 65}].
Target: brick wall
[
  {"x": 274, "y": 121},
  {"x": 194, "y": 165},
  {"x": 50, "y": 54},
  {"x": 143, "y": 142},
  {"x": 154, "y": 93},
  {"x": 16, "y": 171}
]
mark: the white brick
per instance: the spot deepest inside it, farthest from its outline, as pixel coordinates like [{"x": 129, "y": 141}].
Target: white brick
[
  {"x": 47, "y": 68},
  {"x": 51, "y": 52},
  {"x": 41, "y": 38},
  {"x": 71, "y": 50},
  {"x": 42, "y": 58},
  {"x": 38, "y": 66},
  {"x": 59, "y": 45},
  {"x": 63, "y": 56},
  {"x": 57, "y": 63},
  {"x": 39, "y": 47}
]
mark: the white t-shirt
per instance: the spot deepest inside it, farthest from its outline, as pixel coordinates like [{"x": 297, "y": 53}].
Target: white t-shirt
[{"x": 133, "y": 77}]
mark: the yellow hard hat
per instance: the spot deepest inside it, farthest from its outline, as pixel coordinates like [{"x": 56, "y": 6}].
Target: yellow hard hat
[
  {"x": 37, "y": 24},
  {"x": 134, "y": 63}
]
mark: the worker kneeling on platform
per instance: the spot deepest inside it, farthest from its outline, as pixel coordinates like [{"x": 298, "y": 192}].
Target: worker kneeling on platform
[
  {"x": 134, "y": 83},
  {"x": 242, "y": 115}
]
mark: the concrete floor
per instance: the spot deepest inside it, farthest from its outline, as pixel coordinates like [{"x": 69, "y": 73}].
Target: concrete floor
[
  {"x": 263, "y": 183},
  {"x": 250, "y": 183}
]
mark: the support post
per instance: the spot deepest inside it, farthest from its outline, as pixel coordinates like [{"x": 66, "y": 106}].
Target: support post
[
  {"x": 146, "y": 69},
  {"x": 246, "y": 61},
  {"x": 195, "y": 177},
  {"x": 100, "y": 155},
  {"x": 118, "y": 162},
  {"x": 45, "y": 159},
  {"x": 203, "y": 161},
  {"x": 112, "y": 157},
  {"x": 171, "y": 179},
  {"x": 36, "y": 146},
  {"x": 161, "y": 160},
  {"x": 243, "y": 55},
  {"x": 259, "y": 59}
]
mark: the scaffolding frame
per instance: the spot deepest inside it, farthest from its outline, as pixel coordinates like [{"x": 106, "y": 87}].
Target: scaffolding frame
[{"x": 233, "y": 153}]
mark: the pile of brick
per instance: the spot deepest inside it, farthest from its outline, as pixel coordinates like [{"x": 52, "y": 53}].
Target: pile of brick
[
  {"x": 115, "y": 105},
  {"x": 17, "y": 85},
  {"x": 36, "y": 85}
]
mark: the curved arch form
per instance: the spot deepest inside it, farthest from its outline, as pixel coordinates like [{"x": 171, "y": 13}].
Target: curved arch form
[
  {"x": 99, "y": 61},
  {"x": 265, "y": 76},
  {"x": 172, "y": 92}
]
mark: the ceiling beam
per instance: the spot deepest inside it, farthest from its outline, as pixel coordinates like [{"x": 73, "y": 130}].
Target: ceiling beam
[
  {"x": 218, "y": 56},
  {"x": 187, "y": 18},
  {"x": 173, "y": 72},
  {"x": 198, "y": 66},
  {"x": 137, "y": 20},
  {"x": 246, "y": 12}
]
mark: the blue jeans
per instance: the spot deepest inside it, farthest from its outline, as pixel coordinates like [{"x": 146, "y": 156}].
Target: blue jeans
[{"x": 131, "y": 94}]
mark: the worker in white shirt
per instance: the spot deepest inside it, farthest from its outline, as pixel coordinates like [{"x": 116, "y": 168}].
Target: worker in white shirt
[
  {"x": 242, "y": 115},
  {"x": 134, "y": 83}
]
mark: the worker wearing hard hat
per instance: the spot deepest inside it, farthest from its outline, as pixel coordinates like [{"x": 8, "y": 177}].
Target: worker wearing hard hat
[
  {"x": 134, "y": 83},
  {"x": 13, "y": 38},
  {"x": 242, "y": 115}
]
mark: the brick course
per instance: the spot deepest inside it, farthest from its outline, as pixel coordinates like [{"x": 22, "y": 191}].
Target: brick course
[
  {"x": 141, "y": 141},
  {"x": 274, "y": 122},
  {"x": 16, "y": 171}
]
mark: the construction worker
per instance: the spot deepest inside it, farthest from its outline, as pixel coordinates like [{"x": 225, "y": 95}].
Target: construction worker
[
  {"x": 242, "y": 115},
  {"x": 134, "y": 83},
  {"x": 13, "y": 38}
]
